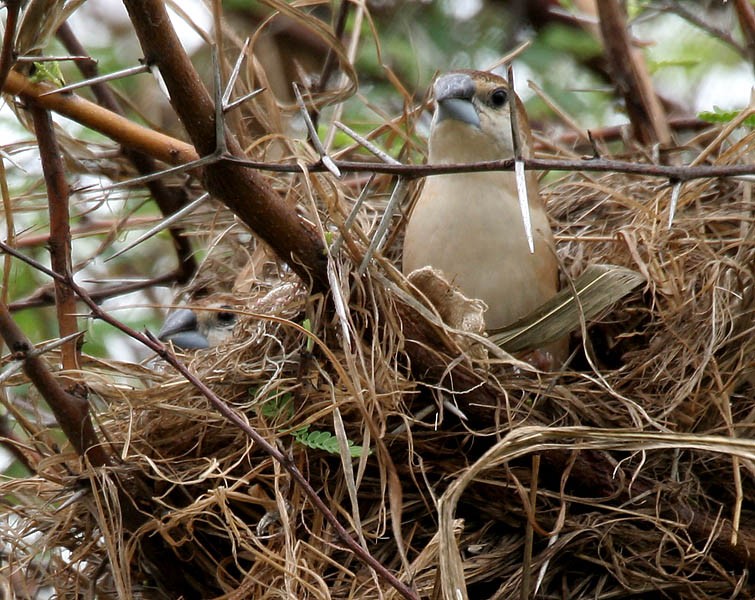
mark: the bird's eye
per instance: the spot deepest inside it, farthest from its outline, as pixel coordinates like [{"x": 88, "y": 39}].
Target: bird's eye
[
  {"x": 226, "y": 318},
  {"x": 498, "y": 97}
]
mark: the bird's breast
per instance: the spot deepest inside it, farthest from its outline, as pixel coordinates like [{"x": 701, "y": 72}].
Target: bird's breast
[{"x": 469, "y": 226}]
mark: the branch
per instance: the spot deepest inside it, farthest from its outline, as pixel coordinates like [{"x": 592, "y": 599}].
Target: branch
[
  {"x": 157, "y": 145},
  {"x": 631, "y": 77},
  {"x": 599, "y": 165},
  {"x": 59, "y": 244},
  {"x": 746, "y": 15},
  {"x": 71, "y": 411},
  {"x": 245, "y": 192},
  {"x": 7, "y": 54},
  {"x": 168, "y": 199},
  {"x": 45, "y": 297}
]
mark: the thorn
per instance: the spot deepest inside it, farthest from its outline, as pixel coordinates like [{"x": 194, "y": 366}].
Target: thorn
[
  {"x": 327, "y": 162},
  {"x": 234, "y": 74},
  {"x": 244, "y": 98},
  {"x": 336, "y": 246},
  {"x": 367, "y": 144},
  {"x": 377, "y": 240},
  {"x": 162, "y": 225},
  {"x": 101, "y": 79},
  {"x": 521, "y": 180}
]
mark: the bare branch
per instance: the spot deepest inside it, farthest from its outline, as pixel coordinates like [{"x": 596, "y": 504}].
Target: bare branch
[
  {"x": 631, "y": 77},
  {"x": 71, "y": 410},
  {"x": 58, "y": 194},
  {"x": 7, "y": 52}
]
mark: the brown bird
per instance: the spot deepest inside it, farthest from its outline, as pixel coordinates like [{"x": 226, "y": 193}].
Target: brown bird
[{"x": 469, "y": 225}]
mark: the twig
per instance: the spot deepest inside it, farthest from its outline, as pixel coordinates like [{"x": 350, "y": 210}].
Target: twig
[
  {"x": 615, "y": 132},
  {"x": 71, "y": 411},
  {"x": 704, "y": 25},
  {"x": 631, "y": 77},
  {"x": 44, "y": 296},
  {"x": 128, "y": 72},
  {"x": 16, "y": 365},
  {"x": 9, "y": 35},
  {"x": 58, "y": 193},
  {"x": 680, "y": 173}
]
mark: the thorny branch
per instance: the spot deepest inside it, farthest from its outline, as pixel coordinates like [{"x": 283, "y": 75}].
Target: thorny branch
[
  {"x": 245, "y": 192},
  {"x": 71, "y": 410},
  {"x": 168, "y": 199}
]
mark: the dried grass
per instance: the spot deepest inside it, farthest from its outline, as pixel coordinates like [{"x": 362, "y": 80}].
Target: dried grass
[{"x": 642, "y": 456}]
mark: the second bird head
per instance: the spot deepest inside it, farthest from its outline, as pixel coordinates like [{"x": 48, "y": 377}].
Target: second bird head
[{"x": 201, "y": 327}]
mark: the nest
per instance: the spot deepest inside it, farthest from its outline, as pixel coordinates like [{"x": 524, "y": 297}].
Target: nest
[{"x": 628, "y": 474}]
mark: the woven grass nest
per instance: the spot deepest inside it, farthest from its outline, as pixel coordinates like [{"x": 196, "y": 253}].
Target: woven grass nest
[{"x": 630, "y": 474}]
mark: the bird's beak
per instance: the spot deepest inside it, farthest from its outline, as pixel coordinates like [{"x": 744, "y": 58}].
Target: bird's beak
[
  {"x": 181, "y": 328},
  {"x": 454, "y": 93}
]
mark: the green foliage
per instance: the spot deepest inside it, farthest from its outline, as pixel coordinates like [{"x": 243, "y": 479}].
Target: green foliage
[
  {"x": 278, "y": 407},
  {"x": 719, "y": 115},
  {"x": 574, "y": 42},
  {"x": 307, "y": 324},
  {"x": 324, "y": 440},
  {"x": 48, "y": 71},
  {"x": 281, "y": 406}
]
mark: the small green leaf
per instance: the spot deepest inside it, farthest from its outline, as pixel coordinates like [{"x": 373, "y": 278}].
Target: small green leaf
[
  {"x": 277, "y": 406},
  {"x": 719, "y": 115},
  {"x": 326, "y": 441},
  {"x": 307, "y": 324},
  {"x": 48, "y": 71}
]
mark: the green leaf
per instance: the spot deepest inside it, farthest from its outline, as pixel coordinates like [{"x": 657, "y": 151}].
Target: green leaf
[
  {"x": 278, "y": 406},
  {"x": 324, "y": 440},
  {"x": 719, "y": 115},
  {"x": 48, "y": 71},
  {"x": 307, "y": 324}
]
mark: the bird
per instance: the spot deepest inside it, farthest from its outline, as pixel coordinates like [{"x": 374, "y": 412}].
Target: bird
[
  {"x": 469, "y": 225},
  {"x": 197, "y": 328},
  {"x": 213, "y": 320}
]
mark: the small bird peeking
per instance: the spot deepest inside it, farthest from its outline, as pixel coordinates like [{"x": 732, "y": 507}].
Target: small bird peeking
[
  {"x": 201, "y": 327},
  {"x": 214, "y": 319},
  {"x": 469, "y": 225}
]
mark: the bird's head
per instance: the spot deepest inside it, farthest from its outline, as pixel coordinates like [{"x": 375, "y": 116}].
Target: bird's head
[
  {"x": 472, "y": 120},
  {"x": 201, "y": 327}
]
